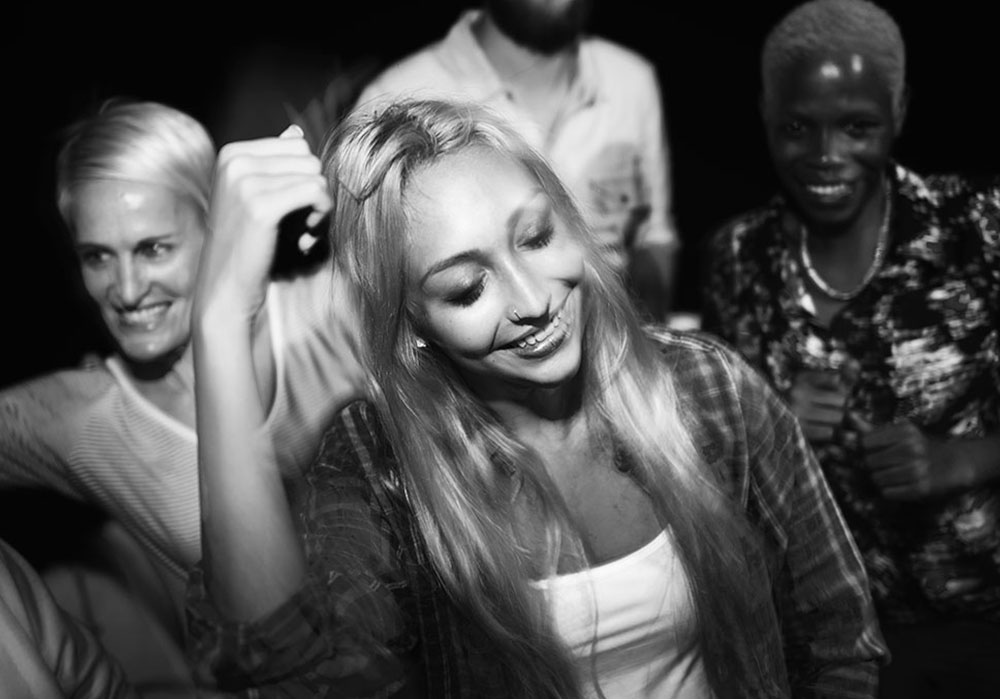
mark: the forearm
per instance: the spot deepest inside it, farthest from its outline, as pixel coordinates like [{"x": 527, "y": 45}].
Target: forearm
[{"x": 253, "y": 559}]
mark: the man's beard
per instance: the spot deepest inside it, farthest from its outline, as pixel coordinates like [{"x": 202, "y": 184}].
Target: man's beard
[{"x": 537, "y": 28}]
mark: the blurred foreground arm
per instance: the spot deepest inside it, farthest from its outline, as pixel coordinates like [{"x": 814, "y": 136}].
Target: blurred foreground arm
[{"x": 252, "y": 557}]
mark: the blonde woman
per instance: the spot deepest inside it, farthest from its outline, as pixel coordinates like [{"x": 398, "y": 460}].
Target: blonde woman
[
  {"x": 133, "y": 182},
  {"x": 539, "y": 497}
]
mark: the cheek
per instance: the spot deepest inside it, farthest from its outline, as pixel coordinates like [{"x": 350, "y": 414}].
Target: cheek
[
  {"x": 468, "y": 332},
  {"x": 785, "y": 153},
  {"x": 181, "y": 274},
  {"x": 874, "y": 154},
  {"x": 564, "y": 263},
  {"x": 95, "y": 282}
]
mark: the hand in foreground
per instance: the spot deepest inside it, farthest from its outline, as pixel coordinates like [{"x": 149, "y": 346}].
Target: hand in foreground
[
  {"x": 818, "y": 399},
  {"x": 906, "y": 464},
  {"x": 257, "y": 183}
]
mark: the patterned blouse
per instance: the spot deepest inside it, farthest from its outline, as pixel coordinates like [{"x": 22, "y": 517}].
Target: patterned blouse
[
  {"x": 923, "y": 341},
  {"x": 371, "y": 586}
]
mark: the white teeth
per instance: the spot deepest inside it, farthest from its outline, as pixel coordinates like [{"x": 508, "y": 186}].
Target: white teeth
[
  {"x": 143, "y": 316},
  {"x": 827, "y": 189},
  {"x": 543, "y": 334}
]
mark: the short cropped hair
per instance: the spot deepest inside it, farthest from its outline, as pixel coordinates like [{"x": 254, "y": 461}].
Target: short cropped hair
[
  {"x": 857, "y": 26},
  {"x": 136, "y": 141}
]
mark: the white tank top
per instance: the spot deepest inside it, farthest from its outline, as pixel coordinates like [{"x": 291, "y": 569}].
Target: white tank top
[{"x": 630, "y": 625}]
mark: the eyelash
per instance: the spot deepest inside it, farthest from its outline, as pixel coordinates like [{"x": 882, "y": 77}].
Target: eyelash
[
  {"x": 469, "y": 295},
  {"x": 155, "y": 250},
  {"x": 542, "y": 237},
  {"x": 93, "y": 258}
]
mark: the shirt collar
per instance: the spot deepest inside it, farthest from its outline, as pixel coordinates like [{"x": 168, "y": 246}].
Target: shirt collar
[
  {"x": 465, "y": 58},
  {"x": 917, "y": 232}
]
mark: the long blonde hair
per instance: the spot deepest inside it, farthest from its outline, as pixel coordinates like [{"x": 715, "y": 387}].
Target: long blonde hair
[{"x": 460, "y": 468}]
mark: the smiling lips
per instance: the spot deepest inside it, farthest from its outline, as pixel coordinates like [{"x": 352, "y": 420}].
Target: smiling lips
[
  {"x": 545, "y": 341},
  {"x": 829, "y": 192},
  {"x": 143, "y": 319}
]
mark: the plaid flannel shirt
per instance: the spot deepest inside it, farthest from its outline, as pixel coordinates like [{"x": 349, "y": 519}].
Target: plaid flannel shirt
[{"x": 372, "y": 620}]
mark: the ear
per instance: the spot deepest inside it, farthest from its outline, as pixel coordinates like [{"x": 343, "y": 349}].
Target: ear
[{"x": 899, "y": 117}]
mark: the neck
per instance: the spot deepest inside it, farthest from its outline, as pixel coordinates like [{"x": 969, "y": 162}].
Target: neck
[
  {"x": 533, "y": 411},
  {"x": 175, "y": 370},
  {"x": 841, "y": 261},
  {"x": 523, "y": 67},
  {"x": 854, "y": 241}
]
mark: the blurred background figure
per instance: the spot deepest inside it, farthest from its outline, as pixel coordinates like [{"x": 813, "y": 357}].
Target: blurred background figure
[
  {"x": 45, "y": 653},
  {"x": 133, "y": 183},
  {"x": 592, "y": 106},
  {"x": 869, "y": 295}
]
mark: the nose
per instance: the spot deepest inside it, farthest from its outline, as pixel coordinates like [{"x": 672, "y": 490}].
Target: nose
[
  {"x": 530, "y": 301},
  {"x": 830, "y": 147},
  {"x": 129, "y": 284}
]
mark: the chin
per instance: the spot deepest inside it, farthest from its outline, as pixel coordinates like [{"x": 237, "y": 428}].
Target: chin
[
  {"x": 148, "y": 350},
  {"x": 563, "y": 370}
]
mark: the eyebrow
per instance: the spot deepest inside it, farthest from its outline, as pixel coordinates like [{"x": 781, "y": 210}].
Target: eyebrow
[
  {"x": 460, "y": 258},
  {"x": 467, "y": 256},
  {"x": 155, "y": 238}
]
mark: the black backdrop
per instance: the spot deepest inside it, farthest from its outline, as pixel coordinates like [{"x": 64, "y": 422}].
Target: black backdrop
[{"x": 213, "y": 59}]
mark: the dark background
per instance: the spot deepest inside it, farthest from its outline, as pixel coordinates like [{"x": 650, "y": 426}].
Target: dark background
[{"x": 215, "y": 59}]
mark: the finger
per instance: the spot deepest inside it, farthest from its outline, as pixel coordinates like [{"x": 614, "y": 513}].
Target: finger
[
  {"x": 813, "y": 393},
  {"x": 820, "y": 379},
  {"x": 891, "y": 456},
  {"x": 249, "y": 165},
  {"x": 253, "y": 185},
  {"x": 265, "y": 203},
  {"x": 823, "y": 415},
  {"x": 893, "y": 475},
  {"x": 269, "y": 145},
  {"x": 833, "y": 401},
  {"x": 289, "y": 195},
  {"x": 903, "y": 493},
  {"x": 858, "y": 423},
  {"x": 817, "y": 433},
  {"x": 315, "y": 217},
  {"x": 882, "y": 437}
]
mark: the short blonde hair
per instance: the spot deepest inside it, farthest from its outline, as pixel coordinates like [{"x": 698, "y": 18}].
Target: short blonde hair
[
  {"x": 137, "y": 141},
  {"x": 850, "y": 25}
]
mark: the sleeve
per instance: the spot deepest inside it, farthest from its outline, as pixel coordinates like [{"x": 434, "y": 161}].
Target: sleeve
[
  {"x": 344, "y": 632},
  {"x": 34, "y": 418},
  {"x": 718, "y": 311},
  {"x": 44, "y": 652},
  {"x": 660, "y": 228},
  {"x": 986, "y": 215},
  {"x": 989, "y": 224},
  {"x": 832, "y": 640}
]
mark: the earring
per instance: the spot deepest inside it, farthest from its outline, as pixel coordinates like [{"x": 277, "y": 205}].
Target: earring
[{"x": 420, "y": 343}]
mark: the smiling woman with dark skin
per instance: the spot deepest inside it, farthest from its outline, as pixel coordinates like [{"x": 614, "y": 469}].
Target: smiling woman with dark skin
[{"x": 870, "y": 297}]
